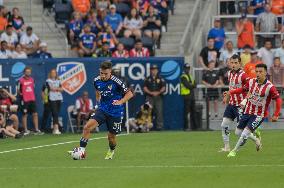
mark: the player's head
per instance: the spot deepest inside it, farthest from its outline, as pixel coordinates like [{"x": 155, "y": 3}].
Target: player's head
[
  {"x": 261, "y": 71},
  {"x": 28, "y": 71},
  {"x": 105, "y": 70},
  {"x": 235, "y": 62},
  {"x": 53, "y": 74}
]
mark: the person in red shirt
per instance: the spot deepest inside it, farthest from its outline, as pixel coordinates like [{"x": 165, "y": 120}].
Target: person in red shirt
[
  {"x": 245, "y": 32},
  {"x": 139, "y": 50},
  {"x": 120, "y": 52},
  {"x": 260, "y": 93},
  {"x": 3, "y": 20}
]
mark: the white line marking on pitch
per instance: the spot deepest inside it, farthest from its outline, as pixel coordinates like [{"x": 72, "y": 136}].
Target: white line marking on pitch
[
  {"x": 49, "y": 145},
  {"x": 150, "y": 167}
]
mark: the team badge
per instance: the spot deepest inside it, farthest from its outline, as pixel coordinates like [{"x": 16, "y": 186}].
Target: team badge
[
  {"x": 72, "y": 76},
  {"x": 109, "y": 87}
]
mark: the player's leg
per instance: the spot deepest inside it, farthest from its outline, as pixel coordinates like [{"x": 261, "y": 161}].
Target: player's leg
[
  {"x": 226, "y": 123},
  {"x": 114, "y": 128}
]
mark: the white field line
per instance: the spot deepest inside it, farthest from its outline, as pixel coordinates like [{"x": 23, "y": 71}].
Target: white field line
[
  {"x": 49, "y": 145},
  {"x": 149, "y": 167}
]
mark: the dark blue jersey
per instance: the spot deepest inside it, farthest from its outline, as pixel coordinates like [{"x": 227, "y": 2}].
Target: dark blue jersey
[{"x": 110, "y": 90}]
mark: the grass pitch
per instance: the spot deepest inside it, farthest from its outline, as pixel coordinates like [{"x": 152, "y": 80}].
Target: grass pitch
[{"x": 153, "y": 160}]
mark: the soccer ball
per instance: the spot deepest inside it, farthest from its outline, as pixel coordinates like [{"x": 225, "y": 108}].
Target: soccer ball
[{"x": 78, "y": 153}]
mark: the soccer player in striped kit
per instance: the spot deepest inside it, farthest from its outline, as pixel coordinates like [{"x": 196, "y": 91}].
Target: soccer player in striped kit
[
  {"x": 237, "y": 79},
  {"x": 260, "y": 93}
]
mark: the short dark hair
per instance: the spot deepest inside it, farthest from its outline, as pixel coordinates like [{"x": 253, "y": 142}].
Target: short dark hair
[
  {"x": 106, "y": 65},
  {"x": 276, "y": 58},
  {"x": 261, "y": 66},
  {"x": 27, "y": 68},
  {"x": 9, "y": 26},
  {"x": 209, "y": 38},
  {"x": 267, "y": 41},
  {"x": 236, "y": 56},
  {"x": 4, "y": 41}
]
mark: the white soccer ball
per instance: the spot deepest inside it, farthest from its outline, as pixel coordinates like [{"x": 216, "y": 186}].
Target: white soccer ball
[{"x": 78, "y": 153}]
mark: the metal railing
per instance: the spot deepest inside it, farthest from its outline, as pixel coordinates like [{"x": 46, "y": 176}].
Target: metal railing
[
  {"x": 54, "y": 28},
  {"x": 187, "y": 37}
]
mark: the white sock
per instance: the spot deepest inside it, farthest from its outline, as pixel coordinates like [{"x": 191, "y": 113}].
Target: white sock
[
  {"x": 244, "y": 136},
  {"x": 226, "y": 123}
]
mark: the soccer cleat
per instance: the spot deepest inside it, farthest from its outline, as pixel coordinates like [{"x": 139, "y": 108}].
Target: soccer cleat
[
  {"x": 232, "y": 153},
  {"x": 224, "y": 150},
  {"x": 38, "y": 132},
  {"x": 109, "y": 154},
  {"x": 258, "y": 144},
  {"x": 27, "y": 132}
]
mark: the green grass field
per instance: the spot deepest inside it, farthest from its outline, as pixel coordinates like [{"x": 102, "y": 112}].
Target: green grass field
[{"x": 153, "y": 160}]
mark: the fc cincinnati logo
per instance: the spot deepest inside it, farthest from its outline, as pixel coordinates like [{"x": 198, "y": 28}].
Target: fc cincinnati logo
[{"x": 72, "y": 76}]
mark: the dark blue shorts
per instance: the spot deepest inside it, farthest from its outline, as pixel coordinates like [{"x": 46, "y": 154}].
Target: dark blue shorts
[
  {"x": 233, "y": 112},
  {"x": 250, "y": 121},
  {"x": 113, "y": 123}
]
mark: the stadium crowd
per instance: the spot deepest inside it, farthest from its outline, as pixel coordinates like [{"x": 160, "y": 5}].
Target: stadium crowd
[{"x": 266, "y": 47}]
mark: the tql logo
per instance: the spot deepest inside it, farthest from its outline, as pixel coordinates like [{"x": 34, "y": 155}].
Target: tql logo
[{"x": 72, "y": 76}]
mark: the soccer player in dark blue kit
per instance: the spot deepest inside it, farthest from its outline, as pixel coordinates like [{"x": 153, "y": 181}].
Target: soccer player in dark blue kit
[{"x": 111, "y": 94}]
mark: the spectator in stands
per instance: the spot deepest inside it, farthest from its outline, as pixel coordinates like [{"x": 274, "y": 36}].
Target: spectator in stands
[
  {"x": 114, "y": 20},
  {"x": 210, "y": 79},
  {"x": 87, "y": 44},
  {"x": 120, "y": 52},
  {"x": 154, "y": 87},
  {"x": 227, "y": 7},
  {"x": 245, "y": 32},
  {"x": 143, "y": 119},
  {"x": 75, "y": 28},
  {"x": 162, "y": 8},
  {"x": 276, "y": 73},
  {"x": 266, "y": 22},
  {"x": 280, "y": 52},
  {"x": 30, "y": 41},
  {"x": 55, "y": 98},
  {"x": 277, "y": 7},
  {"x": 141, "y": 5},
  {"x": 104, "y": 51},
  {"x": 3, "y": 19},
  {"x": 227, "y": 53},
  {"x": 139, "y": 50},
  {"x": 5, "y": 53},
  {"x": 208, "y": 53},
  {"x": 265, "y": 54},
  {"x": 42, "y": 53},
  {"x": 84, "y": 107},
  {"x": 8, "y": 107},
  {"x": 10, "y": 37},
  {"x": 102, "y": 4},
  {"x": 258, "y": 6},
  {"x": 96, "y": 27},
  {"x": 245, "y": 55},
  {"x": 82, "y": 6},
  {"x": 17, "y": 21},
  {"x": 223, "y": 75},
  {"x": 19, "y": 53},
  {"x": 133, "y": 24},
  {"x": 108, "y": 36},
  {"x": 218, "y": 34},
  {"x": 152, "y": 24},
  {"x": 249, "y": 68},
  {"x": 26, "y": 90}
]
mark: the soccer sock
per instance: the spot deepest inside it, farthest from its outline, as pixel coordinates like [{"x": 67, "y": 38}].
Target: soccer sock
[
  {"x": 253, "y": 137},
  {"x": 112, "y": 146},
  {"x": 83, "y": 142},
  {"x": 244, "y": 136},
  {"x": 226, "y": 123}
]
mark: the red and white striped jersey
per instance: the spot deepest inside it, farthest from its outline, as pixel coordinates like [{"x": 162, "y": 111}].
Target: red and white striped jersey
[
  {"x": 123, "y": 53},
  {"x": 260, "y": 97},
  {"x": 144, "y": 52},
  {"x": 237, "y": 80}
]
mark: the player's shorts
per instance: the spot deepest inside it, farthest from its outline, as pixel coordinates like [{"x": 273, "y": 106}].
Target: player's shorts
[
  {"x": 233, "y": 112},
  {"x": 250, "y": 121},
  {"x": 29, "y": 107},
  {"x": 113, "y": 123}
]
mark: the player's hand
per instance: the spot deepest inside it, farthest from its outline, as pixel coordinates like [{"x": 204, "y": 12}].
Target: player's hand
[
  {"x": 117, "y": 102},
  {"x": 274, "y": 118}
]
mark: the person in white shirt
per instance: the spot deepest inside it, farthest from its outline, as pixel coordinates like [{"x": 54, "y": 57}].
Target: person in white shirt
[
  {"x": 10, "y": 37},
  {"x": 227, "y": 53},
  {"x": 133, "y": 24},
  {"x": 280, "y": 53},
  {"x": 18, "y": 53},
  {"x": 4, "y": 52},
  {"x": 29, "y": 41},
  {"x": 265, "y": 54}
]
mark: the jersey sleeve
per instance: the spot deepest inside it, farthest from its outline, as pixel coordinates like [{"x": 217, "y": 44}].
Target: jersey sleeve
[
  {"x": 120, "y": 84},
  {"x": 274, "y": 93},
  {"x": 244, "y": 79},
  {"x": 95, "y": 83}
]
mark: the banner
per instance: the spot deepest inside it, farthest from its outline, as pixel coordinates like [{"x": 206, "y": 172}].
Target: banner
[{"x": 77, "y": 75}]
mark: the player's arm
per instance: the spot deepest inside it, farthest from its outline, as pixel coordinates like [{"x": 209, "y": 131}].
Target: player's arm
[
  {"x": 128, "y": 95},
  {"x": 98, "y": 97},
  {"x": 275, "y": 96}
]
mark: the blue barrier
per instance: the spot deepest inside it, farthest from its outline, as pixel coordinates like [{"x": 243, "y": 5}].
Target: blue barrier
[{"x": 77, "y": 75}]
